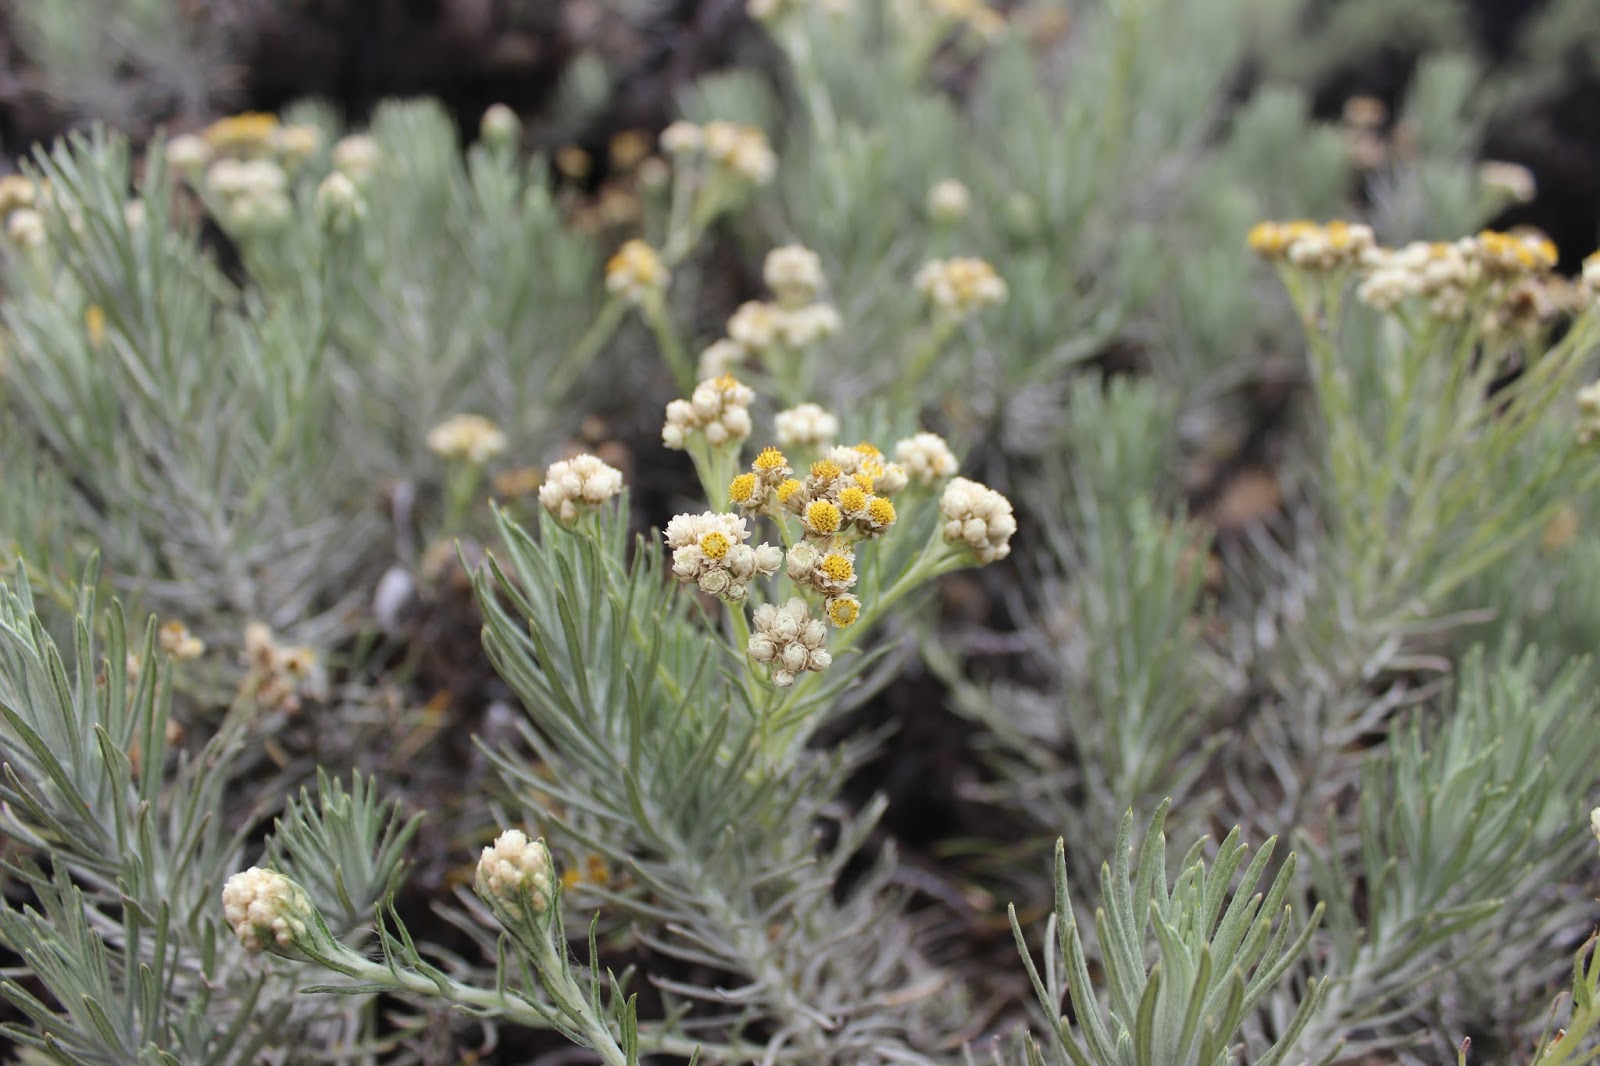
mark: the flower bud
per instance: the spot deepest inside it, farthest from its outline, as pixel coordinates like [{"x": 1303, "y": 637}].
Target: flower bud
[
  {"x": 500, "y": 128},
  {"x": 269, "y": 912},
  {"x": 516, "y": 878}
]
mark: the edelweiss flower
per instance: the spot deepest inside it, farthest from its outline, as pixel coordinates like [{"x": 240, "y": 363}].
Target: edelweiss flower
[
  {"x": 961, "y": 287},
  {"x": 978, "y": 518},
  {"x": 805, "y": 426},
  {"x": 788, "y": 639},
  {"x": 636, "y": 272},
  {"x": 470, "y": 437},
  {"x": 718, "y": 408},
  {"x": 709, "y": 551},
  {"x": 926, "y": 457},
  {"x": 580, "y": 484}
]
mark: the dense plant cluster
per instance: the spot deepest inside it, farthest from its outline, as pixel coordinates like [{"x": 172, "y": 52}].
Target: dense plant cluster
[{"x": 454, "y": 610}]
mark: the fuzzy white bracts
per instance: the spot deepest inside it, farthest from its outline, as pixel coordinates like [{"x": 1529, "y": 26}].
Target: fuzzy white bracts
[
  {"x": 789, "y": 640},
  {"x": 636, "y": 272},
  {"x": 977, "y": 518},
  {"x": 961, "y": 287},
  {"x": 709, "y": 551},
  {"x": 266, "y": 910},
  {"x": 718, "y": 408},
  {"x": 472, "y": 438},
  {"x": 515, "y": 870},
  {"x": 927, "y": 459},
  {"x": 580, "y": 484},
  {"x": 805, "y": 426}
]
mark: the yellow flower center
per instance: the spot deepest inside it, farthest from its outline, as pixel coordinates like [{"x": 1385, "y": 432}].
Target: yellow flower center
[
  {"x": 742, "y": 488},
  {"x": 852, "y": 499},
  {"x": 787, "y": 489},
  {"x": 843, "y": 612},
  {"x": 868, "y": 449},
  {"x": 769, "y": 459},
  {"x": 825, "y": 470},
  {"x": 822, "y": 517},
  {"x": 881, "y": 511},
  {"x": 864, "y": 480},
  {"x": 837, "y": 567},
  {"x": 715, "y": 545}
]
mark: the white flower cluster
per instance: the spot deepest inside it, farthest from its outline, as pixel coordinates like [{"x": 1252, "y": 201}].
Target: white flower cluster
[
  {"x": 709, "y": 551},
  {"x": 1440, "y": 272},
  {"x": 178, "y": 642},
  {"x": 1311, "y": 246},
  {"x": 251, "y": 195},
  {"x": 266, "y": 909},
  {"x": 470, "y": 437},
  {"x": 831, "y": 571},
  {"x": 962, "y": 286},
  {"x": 636, "y": 272},
  {"x": 581, "y": 483},
  {"x": 794, "y": 274},
  {"x": 277, "y": 677},
  {"x": 24, "y": 226},
  {"x": 978, "y": 518},
  {"x": 805, "y": 426},
  {"x": 948, "y": 202},
  {"x": 795, "y": 320},
  {"x": 927, "y": 459},
  {"x": 1501, "y": 273},
  {"x": 790, "y": 640},
  {"x": 357, "y": 157},
  {"x": 339, "y": 204},
  {"x": 740, "y": 150},
  {"x": 514, "y": 868},
  {"x": 718, "y": 408}
]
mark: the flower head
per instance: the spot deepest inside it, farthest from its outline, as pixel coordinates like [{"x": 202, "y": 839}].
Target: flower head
[
  {"x": 961, "y": 287},
  {"x": 805, "y": 426},
  {"x": 843, "y": 610},
  {"x": 516, "y": 878},
  {"x": 178, "y": 642},
  {"x": 249, "y": 133},
  {"x": 741, "y": 150},
  {"x": 794, "y": 274},
  {"x": 978, "y": 519},
  {"x": 636, "y": 272},
  {"x": 357, "y": 156},
  {"x": 926, "y": 457},
  {"x": 789, "y": 640},
  {"x": 574, "y": 486},
  {"x": 268, "y": 912},
  {"x": 719, "y": 409},
  {"x": 469, "y": 437},
  {"x": 948, "y": 202},
  {"x": 709, "y": 551}
]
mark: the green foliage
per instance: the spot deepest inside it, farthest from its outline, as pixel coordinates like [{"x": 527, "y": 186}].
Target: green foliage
[{"x": 1220, "y": 950}]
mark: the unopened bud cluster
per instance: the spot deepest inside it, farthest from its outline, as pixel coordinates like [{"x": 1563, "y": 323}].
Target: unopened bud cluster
[
  {"x": 573, "y": 486},
  {"x": 468, "y": 438},
  {"x": 515, "y": 875},
  {"x": 961, "y": 287},
  {"x": 739, "y": 151},
  {"x": 789, "y": 640},
  {"x": 266, "y": 910},
  {"x": 24, "y": 226},
  {"x": 795, "y": 319},
  {"x": 978, "y": 518},
  {"x": 718, "y": 410},
  {"x": 805, "y": 425}
]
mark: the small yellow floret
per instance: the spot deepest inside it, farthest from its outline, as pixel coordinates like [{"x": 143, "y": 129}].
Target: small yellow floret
[
  {"x": 742, "y": 488},
  {"x": 837, "y": 567},
  {"x": 787, "y": 488},
  {"x": 869, "y": 449},
  {"x": 866, "y": 481},
  {"x": 715, "y": 545},
  {"x": 843, "y": 611},
  {"x": 94, "y": 323},
  {"x": 242, "y": 132},
  {"x": 825, "y": 470},
  {"x": 769, "y": 459},
  {"x": 822, "y": 517},
  {"x": 852, "y": 498},
  {"x": 881, "y": 511}
]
